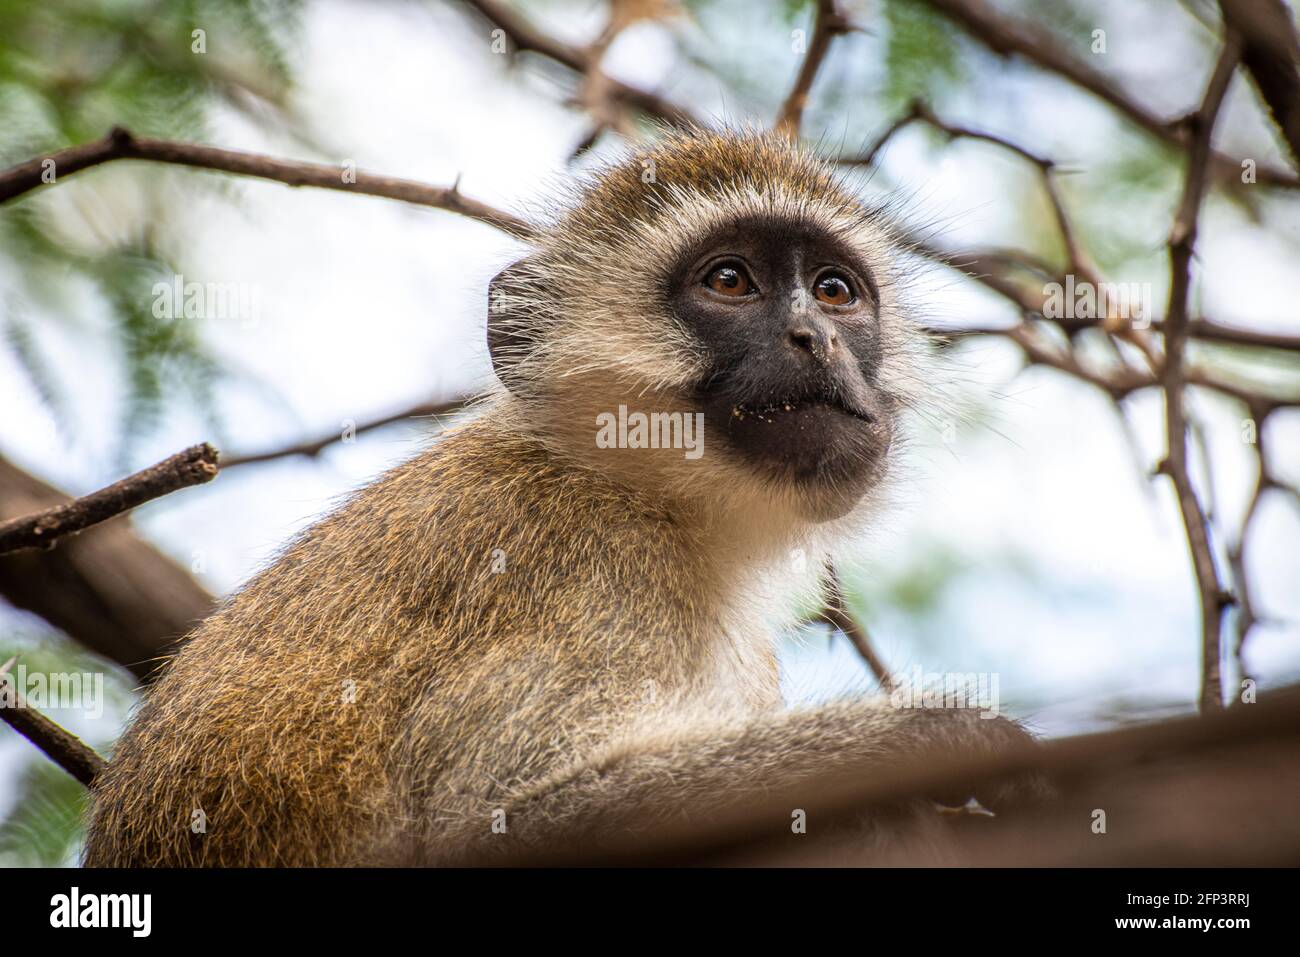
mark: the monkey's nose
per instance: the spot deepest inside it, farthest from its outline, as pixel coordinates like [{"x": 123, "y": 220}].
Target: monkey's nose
[{"x": 814, "y": 340}]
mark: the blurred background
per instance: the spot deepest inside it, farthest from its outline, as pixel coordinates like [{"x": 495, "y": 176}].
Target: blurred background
[{"x": 1030, "y": 539}]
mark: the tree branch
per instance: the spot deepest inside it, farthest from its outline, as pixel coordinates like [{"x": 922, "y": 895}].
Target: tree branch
[
  {"x": 120, "y": 145},
  {"x": 525, "y": 36},
  {"x": 109, "y": 589},
  {"x": 742, "y": 834},
  {"x": 1271, "y": 54},
  {"x": 63, "y": 747},
  {"x": 193, "y": 466},
  {"x": 1077, "y": 261},
  {"x": 1212, "y": 331},
  {"x": 869, "y": 155},
  {"x": 827, "y": 25},
  {"x": 837, "y": 615},
  {"x": 1205, "y": 330},
  {"x": 314, "y": 447},
  {"x": 1007, "y": 36},
  {"x": 1182, "y": 243}
]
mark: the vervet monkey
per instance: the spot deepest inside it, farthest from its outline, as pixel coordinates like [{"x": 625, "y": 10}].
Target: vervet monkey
[{"x": 553, "y": 622}]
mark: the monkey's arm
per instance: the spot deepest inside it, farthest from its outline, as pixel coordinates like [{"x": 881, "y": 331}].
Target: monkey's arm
[{"x": 691, "y": 774}]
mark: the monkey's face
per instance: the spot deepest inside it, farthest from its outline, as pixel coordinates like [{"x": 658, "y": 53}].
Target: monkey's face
[
  {"x": 789, "y": 319},
  {"x": 720, "y": 279}
]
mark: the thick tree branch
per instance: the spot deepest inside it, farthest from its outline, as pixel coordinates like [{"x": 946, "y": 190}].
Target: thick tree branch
[
  {"x": 193, "y": 466},
  {"x": 63, "y": 747},
  {"x": 742, "y": 835}
]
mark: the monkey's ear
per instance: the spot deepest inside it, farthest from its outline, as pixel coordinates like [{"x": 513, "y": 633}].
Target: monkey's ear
[{"x": 509, "y": 338}]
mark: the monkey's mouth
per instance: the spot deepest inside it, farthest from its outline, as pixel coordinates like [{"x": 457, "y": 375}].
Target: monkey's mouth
[
  {"x": 772, "y": 411},
  {"x": 819, "y": 438}
]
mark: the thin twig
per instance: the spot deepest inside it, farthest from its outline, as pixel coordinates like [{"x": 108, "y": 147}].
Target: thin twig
[
  {"x": 526, "y": 36},
  {"x": 991, "y": 272},
  {"x": 1204, "y": 330},
  {"x": 120, "y": 144},
  {"x": 1182, "y": 244},
  {"x": 827, "y": 25},
  {"x": 193, "y": 466},
  {"x": 1266, "y": 480},
  {"x": 63, "y": 747},
  {"x": 837, "y": 615},
  {"x": 1077, "y": 261},
  {"x": 1008, "y": 36},
  {"x": 314, "y": 447},
  {"x": 1247, "y": 616},
  {"x": 598, "y": 95},
  {"x": 868, "y": 156},
  {"x": 1212, "y": 331}
]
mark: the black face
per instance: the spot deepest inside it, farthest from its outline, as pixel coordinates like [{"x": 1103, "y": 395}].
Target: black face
[{"x": 789, "y": 317}]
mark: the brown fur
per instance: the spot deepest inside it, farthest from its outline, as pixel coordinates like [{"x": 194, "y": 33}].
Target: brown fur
[{"x": 385, "y": 686}]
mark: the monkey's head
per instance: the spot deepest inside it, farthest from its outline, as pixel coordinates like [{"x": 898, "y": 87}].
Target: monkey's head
[{"x": 731, "y": 278}]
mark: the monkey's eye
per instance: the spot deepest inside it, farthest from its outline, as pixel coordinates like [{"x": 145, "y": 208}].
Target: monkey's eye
[
  {"x": 834, "y": 290},
  {"x": 729, "y": 281}
]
